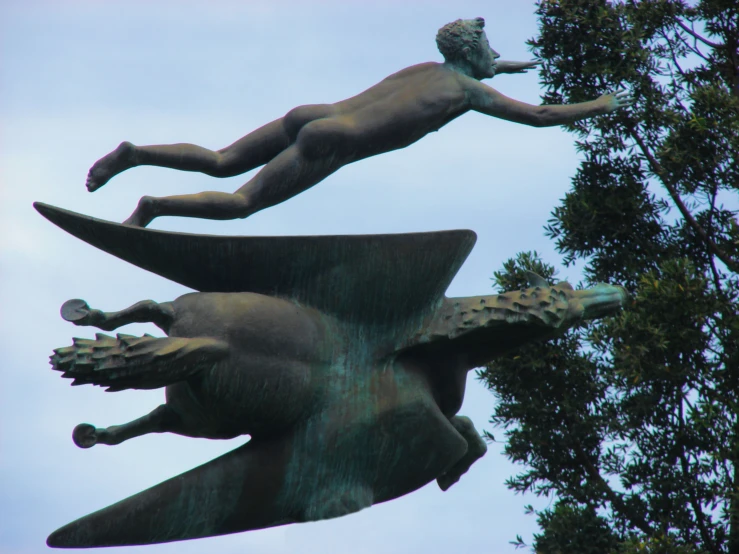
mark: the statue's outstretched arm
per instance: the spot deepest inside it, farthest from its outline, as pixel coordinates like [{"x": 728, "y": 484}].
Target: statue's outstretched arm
[{"x": 489, "y": 101}]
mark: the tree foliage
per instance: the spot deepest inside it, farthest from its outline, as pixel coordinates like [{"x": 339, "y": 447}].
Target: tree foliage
[{"x": 632, "y": 423}]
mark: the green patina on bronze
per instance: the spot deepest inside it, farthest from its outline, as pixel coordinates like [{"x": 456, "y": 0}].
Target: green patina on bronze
[{"x": 340, "y": 356}]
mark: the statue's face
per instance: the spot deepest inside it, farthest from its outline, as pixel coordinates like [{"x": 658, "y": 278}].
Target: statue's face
[{"x": 483, "y": 59}]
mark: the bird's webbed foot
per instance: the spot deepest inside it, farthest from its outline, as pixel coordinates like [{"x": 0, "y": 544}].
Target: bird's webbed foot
[
  {"x": 77, "y": 311},
  {"x": 160, "y": 420}
]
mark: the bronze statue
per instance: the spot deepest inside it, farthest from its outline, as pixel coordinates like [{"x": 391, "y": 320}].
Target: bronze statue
[
  {"x": 340, "y": 356},
  {"x": 311, "y": 142}
]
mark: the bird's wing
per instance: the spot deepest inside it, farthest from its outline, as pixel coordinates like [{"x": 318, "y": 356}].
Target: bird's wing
[
  {"x": 366, "y": 277},
  {"x": 239, "y": 491},
  {"x": 128, "y": 362}
]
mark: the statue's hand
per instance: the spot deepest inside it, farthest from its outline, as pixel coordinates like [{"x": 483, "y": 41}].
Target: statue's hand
[
  {"x": 612, "y": 101},
  {"x": 503, "y": 66}
]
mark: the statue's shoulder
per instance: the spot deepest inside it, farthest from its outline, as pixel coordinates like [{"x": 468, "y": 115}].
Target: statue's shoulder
[{"x": 420, "y": 70}]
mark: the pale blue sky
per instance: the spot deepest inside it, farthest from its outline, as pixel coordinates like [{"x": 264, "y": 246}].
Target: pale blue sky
[{"x": 78, "y": 77}]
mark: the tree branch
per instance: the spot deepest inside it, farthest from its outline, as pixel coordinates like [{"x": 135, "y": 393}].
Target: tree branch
[
  {"x": 696, "y": 36},
  {"x": 734, "y": 510},
  {"x": 662, "y": 174},
  {"x": 694, "y": 49},
  {"x": 594, "y": 474},
  {"x": 714, "y": 271},
  {"x": 614, "y": 498},
  {"x": 699, "y": 515},
  {"x": 674, "y": 56}
]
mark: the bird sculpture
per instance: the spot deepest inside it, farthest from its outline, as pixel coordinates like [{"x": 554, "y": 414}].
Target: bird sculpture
[{"x": 339, "y": 356}]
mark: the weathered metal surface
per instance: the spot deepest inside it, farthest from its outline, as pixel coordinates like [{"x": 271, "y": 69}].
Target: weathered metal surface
[
  {"x": 348, "y": 392},
  {"x": 377, "y": 277}
]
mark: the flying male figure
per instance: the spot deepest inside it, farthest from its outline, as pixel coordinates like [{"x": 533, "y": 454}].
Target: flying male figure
[{"x": 311, "y": 142}]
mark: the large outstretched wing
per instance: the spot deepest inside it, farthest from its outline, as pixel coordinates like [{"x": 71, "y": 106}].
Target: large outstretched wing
[
  {"x": 239, "y": 491},
  {"x": 371, "y": 277}
]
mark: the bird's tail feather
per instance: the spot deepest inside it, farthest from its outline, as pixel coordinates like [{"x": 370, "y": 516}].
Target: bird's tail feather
[{"x": 129, "y": 362}]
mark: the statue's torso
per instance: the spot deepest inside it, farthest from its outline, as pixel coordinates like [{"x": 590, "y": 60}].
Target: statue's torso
[{"x": 405, "y": 106}]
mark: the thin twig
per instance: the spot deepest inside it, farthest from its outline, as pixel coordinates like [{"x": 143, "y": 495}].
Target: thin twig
[
  {"x": 711, "y": 229},
  {"x": 693, "y": 49},
  {"x": 594, "y": 474},
  {"x": 662, "y": 174}
]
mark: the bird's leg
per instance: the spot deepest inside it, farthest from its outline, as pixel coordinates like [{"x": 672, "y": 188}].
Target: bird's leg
[
  {"x": 147, "y": 311},
  {"x": 161, "y": 420},
  {"x": 476, "y": 449}
]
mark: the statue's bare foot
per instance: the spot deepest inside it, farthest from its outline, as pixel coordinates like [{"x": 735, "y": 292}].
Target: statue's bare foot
[
  {"x": 77, "y": 311},
  {"x": 143, "y": 214},
  {"x": 109, "y": 166},
  {"x": 85, "y": 435}
]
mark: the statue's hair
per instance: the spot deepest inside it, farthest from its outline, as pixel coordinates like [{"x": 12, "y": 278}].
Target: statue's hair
[{"x": 455, "y": 36}]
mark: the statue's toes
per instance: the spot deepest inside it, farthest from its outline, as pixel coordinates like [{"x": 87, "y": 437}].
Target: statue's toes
[
  {"x": 75, "y": 310},
  {"x": 91, "y": 182},
  {"x": 85, "y": 435}
]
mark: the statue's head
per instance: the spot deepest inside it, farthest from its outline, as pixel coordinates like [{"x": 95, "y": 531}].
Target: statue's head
[{"x": 463, "y": 42}]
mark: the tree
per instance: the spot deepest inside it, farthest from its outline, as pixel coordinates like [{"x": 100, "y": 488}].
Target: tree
[{"x": 632, "y": 423}]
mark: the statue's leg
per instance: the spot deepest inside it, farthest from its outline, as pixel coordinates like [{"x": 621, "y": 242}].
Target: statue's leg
[
  {"x": 147, "y": 311},
  {"x": 253, "y": 150},
  {"x": 314, "y": 156},
  {"x": 161, "y": 420},
  {"x": 476, "y": 449}
]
